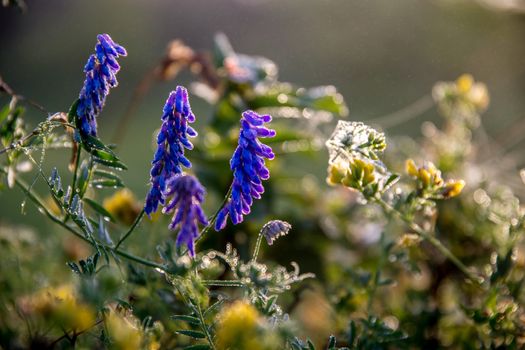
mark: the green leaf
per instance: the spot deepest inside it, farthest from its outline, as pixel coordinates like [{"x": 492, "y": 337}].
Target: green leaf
[
  {"x": 4, "y": 112},
  {"x": 83, "y": 179},
  {"x": 74, "y": 267},
  {"x": 190, "y": 333},
  {"x": 99, "y": 209},
  {"x": 189, "y": 319},
  {"x": 222, "y": 49},
  {"x": 108, "y": 175},
  {"x": 331, "y": 342},
  {"x": 311, "y": 345},
  {"x": 391, "y": 180},
  {"x": 100, "y": 183},
  {"x": 98, "y": 149},
  {"x": 110, "y": 163},
  {"x": 352, "y": 333},
  {"x": 321, "y": 98},
  {"x": 72, "y": 114},
  {"x": 213, "y": 307},
  {"x": 198, "y": 347}
]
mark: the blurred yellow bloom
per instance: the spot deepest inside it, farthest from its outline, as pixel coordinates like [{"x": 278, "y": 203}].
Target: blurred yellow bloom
[
  {"x": 409, "y": 240},
  {"x": 411, "y": 168},
  {"x": 61, "y": 305},
  {"x": 464, "y": 83},
  {"x": 315, "y": 316},
  {"x": 124, "y": 333},
  {"x": 123, "y": 206},
  {"x": 237, "y": 328},
  {"x": 474, "y": 93}
]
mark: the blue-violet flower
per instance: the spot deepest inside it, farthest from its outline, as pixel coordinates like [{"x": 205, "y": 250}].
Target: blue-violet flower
[
  {"x": 188, "y": 195},
  {"x": 171, "y": 141},
  {"x": 247, "y": 164},
  {"x": 101, "y": 69},
  {"x": 275, "y": 229}
]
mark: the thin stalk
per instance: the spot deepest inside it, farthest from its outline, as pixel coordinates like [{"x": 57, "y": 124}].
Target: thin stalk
[
  {"x": 36, "y": 132},
  {"x": 431, "y": 239},
  {"x": 131, "y": 229},
  {"x": 214, "y": 217},
  {"x": 75, "y": 175},
  {"x": 41, "y": 206},
  {"x": 196, "y": 308},
  {"x": 75, "y": 171},
  {"x": 223, "y": 283},
  {"x": 204, "y": 327},
  {"x": 257, "y": 247}
]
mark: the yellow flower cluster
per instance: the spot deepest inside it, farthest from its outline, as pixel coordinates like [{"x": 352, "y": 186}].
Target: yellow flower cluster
[
  {"x": 61, "y": 305},
  {"x": 430, "y": 182},
  {"x": 123, "y": 206},
  {"x": 126, "y": 332},
  {"x": 358, "y": 175},
  {"x": 475, "y": 93},
  {"x": 463, "y": 98},
  {"x": 240, "y": 327}
]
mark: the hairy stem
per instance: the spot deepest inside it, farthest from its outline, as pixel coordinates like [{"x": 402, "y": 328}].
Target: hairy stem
[
  {"x": 204, "y": 327},
  {"x": 431, "y": 239},
  {"x": 42, "y": 207},
  {"x": 257, "y": 247},
  {"x": 223, "y": 283}
]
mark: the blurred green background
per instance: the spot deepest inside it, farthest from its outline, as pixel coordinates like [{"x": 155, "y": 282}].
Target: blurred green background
[{"x": 381, "y": 55}]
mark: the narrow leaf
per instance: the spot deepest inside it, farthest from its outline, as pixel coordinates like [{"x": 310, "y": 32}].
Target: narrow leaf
[
  {"x": 190, "y": 333},
  {"x": 99, "y": 209},
  {"x": 189, "y": 319}
]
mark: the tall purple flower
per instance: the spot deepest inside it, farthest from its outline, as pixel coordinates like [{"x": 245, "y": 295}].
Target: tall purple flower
[
  {"x": 171, "y": 142},
  {"x": 101, "y": 69},
  {"x": 188, "y": 195},
  {"x": 247, "y": 164}
]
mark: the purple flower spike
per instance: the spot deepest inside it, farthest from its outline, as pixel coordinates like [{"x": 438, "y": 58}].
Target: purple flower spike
[
  {"x": 101, "y": 70},
  {"x": 188, "y": 195},
  {"x": 247, "y": 164},
  {"x": 171, "y": 142}
]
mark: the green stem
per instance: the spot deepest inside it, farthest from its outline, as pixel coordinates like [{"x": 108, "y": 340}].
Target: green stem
[
  {"x": 74, "y": 182},
  {"x": 431, "y": 239},
  {"x": 257, "y": 247},
  {"x": 41, "y": 206},
  {"x": 75, "y": 172},
  {"x": 214, "y": 217},
  {"x": 223, "y": 283},
  {"x": 131, "y": 229},
  {"x": 194, "y": 307},
  {"x": 204, "y": 327}
]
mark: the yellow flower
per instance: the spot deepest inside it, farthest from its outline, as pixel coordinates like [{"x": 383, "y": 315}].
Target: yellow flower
[
  {"x": 464, "y": 83},
  {"x": 424, "y": 176},
  {"x": 123, "y": 206},
  {"x": 336, "y": 173},
  {"x": 125, "y": 334},
  {"x": 238, "y": 328},
  {"x": 411, "y": 168},
  {"x": 409, "y": 240},
  {"x": 61, "y": 305},
  {"x": 474, "y": 92},
  {"x": 453, "y": 188}
]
